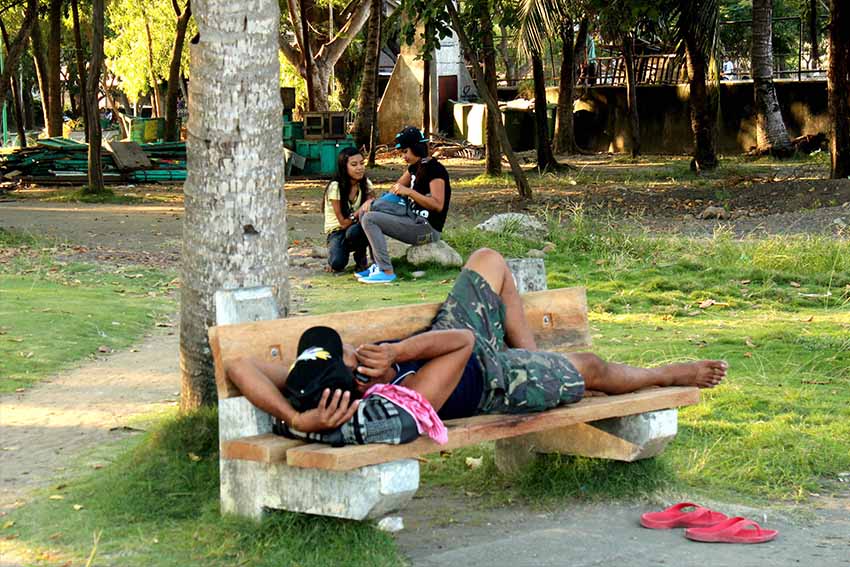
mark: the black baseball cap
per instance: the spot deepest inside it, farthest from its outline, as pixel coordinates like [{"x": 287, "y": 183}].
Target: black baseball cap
[
  {"x": 319, "y": 365},
  {"x": 409, "y": 137}
]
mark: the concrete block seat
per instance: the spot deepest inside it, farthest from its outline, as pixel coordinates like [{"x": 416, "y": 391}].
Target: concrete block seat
[{"x": 260, "y": 470}]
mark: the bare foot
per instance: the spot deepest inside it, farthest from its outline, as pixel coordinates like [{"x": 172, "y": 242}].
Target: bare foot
[{"x": 702, "y": 373}]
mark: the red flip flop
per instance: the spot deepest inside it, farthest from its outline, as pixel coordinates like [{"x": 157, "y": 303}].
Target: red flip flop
[
  {"x": 733, "y": 530},
  {"x": 675, "y": 517}
]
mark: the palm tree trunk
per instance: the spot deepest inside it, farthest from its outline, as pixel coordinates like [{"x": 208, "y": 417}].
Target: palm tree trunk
[
  {"x": 492, "y": 106},
  {"x": 54, "y": 69},
  {"x": 81, "y": 63},
  {"x": 234, "y": 227},
  {"x": 771, "y": 136},
  {"x": 813, "y": 34},
  {"x": 545, "y": 158},
  {"x": 172, "y": 132},
  {"x": 565, "y": 140},
  {"x": 14, "y": 88},
  {"x": 493, "y": 156},
  {"x": 838, "y": 86},
  {"x": 368, "y": 93},
  {"x": 91, "y": 99},
  {"x": 702, "y": 126},
  {"x": 631, "y": 93}
]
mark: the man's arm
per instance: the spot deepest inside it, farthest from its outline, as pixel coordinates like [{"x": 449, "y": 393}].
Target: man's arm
[
  {"x": 447, "y": 352},
  {"x": 261, "y": 383}
]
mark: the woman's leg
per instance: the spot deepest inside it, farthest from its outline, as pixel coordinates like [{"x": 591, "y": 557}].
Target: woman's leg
[
  {"x": 356, "y": 242},
  {"x": 337, "y": 252}
]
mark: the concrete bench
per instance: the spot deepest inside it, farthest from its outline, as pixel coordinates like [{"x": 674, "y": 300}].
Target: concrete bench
[{"x": 261, "y": 470}]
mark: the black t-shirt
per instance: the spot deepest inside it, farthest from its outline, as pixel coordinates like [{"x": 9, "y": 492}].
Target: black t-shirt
[
  {"x": 421, "y": 175},
  {"x": 464, "y": 400}
]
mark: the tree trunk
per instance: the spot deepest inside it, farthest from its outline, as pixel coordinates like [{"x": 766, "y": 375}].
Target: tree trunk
[
  {"x": 17, "y": 46},
  {"x": 28, "y": 103},
  {"x": 771, "y": 136},
  {"x": 234, "y": 226},
  {"x": 110, "y": 100},
  {"x": 368, "y": 95},
  {"x": 91, "y": 99},
  {"x": 702, "y": 127},
  {"x": 40, "y": 62},
  {"x": 492, "y": 105},
  {"x": 373, "y": 135},
  {"x": 565, "y": 141},
  {"x": 631, "y": 93},
  {"x": 172, "y": 132},
  {"x": 813, "y": 34},
  {"x": 504, "y": 50},
  {"x": 81, "y": 62},
  {"x": 493, "y": 157},
  {"x": 426, "y": 96},
  {"x": 54, "y": 68},
  {"x": 155, "y": 108},
  {"x": 838, "y": 86},
  {"x": 545, "y": 158},
  {"x": 314, "y": 93}
]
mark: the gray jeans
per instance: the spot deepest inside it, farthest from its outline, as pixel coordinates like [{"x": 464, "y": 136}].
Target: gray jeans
[{"x": 378, "y": 226}]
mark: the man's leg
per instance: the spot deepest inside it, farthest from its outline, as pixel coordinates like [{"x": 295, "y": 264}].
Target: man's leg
[
  {"x": 379, "y": 225},
  {"x": 613, "y": 378},
  {"x": 493, "y": 268}
]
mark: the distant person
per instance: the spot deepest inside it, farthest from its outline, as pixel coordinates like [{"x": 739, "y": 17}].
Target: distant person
[
  {"x": 427, "y": 193},
  {"x": 342, "y": 205}
]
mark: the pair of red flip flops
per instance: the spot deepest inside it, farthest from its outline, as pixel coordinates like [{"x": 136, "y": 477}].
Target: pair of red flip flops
[{"x": 707, "y": 525}]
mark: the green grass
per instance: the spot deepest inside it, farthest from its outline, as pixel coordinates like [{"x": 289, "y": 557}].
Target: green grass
[
  {"x": 55, "y": 313},
  {"x": 157, "y": 504}
]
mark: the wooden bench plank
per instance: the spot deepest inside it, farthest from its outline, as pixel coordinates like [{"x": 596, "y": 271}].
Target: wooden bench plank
[
  {"x": 556, "y": 317},
  {"x": 462, "y": 432}
]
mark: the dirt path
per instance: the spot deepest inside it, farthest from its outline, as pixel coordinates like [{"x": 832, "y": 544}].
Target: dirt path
[{"x": 44, "y": 429}]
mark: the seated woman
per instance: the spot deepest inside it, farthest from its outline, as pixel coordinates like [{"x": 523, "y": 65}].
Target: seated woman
[
  {"x": 479, "y": 356},
  {"x": 342, "y": 205},
  {"x": 425, "y": 184}
]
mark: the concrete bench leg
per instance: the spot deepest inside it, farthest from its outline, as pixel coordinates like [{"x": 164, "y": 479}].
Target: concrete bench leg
[
  {"x": 628, "y": 438},
  {"x": 248, "y": 487}
]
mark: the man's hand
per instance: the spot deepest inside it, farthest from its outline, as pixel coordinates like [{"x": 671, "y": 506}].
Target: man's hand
[
  {"x": 364, "y": 208},
  {"x": 376, "y": 360},
  {"x": 332, "y": 412}
]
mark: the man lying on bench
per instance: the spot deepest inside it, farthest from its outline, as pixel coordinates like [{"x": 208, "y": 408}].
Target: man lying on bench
[{"x": 478, "y": 356}]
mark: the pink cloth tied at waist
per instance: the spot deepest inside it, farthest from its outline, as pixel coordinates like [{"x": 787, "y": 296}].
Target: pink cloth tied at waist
[{"x": 417, "y": 406}]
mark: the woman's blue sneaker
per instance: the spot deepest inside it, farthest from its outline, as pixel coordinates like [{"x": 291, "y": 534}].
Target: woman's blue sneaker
[
  {"x": 367, "y": 272},
  {"x": 378, "y": 277}
]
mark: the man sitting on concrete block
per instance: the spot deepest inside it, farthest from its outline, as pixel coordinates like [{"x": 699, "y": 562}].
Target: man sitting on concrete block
[{"x": 479, "y": 356}]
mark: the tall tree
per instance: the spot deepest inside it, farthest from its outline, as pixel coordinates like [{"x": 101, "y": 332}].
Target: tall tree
[
  {"x": 16, "y": 47},
  {"x": 81, "y": 62},
  {"x": 368, "y": 98},
  {"x": 92, "y": 96},
  {"x": 315, "y": 61},
  {"x": 234, "y": 227},
  {"x": 812, "y": 24},
  {"x": 13, "y": 85},
  {"x": 523, "y": 186},
  {"x": 696, "y": 27},
  {"x": 572, "y": 47},
  {"x": 172, "y": 132},
  {"x": 628, "y": 49},
  {"x": 493, "y": 157},
  {"x": 536, "y": 20},
  {"x": 54, "y": 68},
  {"x": 155, "y": 104},
  {"x": 545, "y": 157},
  {"x": 838, "y": 86},
  {"x": 771, "y": 136},
  {"x": 39, "y": 58}
]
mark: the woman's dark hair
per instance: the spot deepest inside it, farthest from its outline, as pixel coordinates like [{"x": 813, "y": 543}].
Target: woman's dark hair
[{"x": 344, "y": 182}]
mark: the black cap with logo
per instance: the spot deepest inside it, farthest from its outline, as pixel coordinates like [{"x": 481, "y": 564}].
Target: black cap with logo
[{"x": 319, "y": 365}]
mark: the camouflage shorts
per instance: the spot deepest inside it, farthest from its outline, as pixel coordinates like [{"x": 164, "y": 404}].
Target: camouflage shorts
[{"x": 515, "y": 380}]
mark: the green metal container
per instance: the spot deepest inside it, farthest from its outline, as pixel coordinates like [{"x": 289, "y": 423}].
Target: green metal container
[{"x": 144, "y": 130}]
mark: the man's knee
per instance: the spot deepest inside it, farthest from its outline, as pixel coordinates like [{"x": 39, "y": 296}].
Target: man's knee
[
  {"x": 484, "y": 257},
  {"x": 367, "y": 219},
  {"x": 592, "y": 368}
]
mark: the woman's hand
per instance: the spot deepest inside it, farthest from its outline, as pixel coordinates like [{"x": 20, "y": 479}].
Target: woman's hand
[
  {"x": 399, "y": 189},
  {"x": 331, "y": 412},
  {"x": 364, "y": 208}
]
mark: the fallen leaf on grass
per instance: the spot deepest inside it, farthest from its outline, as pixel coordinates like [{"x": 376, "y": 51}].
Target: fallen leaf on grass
[
  {"x": 97, "y": 466},
  {"x": 78, "y": 507},
  {"x": 194, "y": 458},
  {"x": 745, "y": 282},
  {"x": 56, "y": 497},
  {"x": 165, "y": 324},
  {"x": 794, "y": 284},
  {"x": 26, "y": 354},
  {"x": 8, "y": 524},
  {"x": 474, "y": 462},
  {"x": 749, "y": 342},
  {"x": 694, "y": 313},
  {"x": 808, "y": 319},
  {"x": 748, "y": 355},
  {"x": 104, "y": 349}
]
